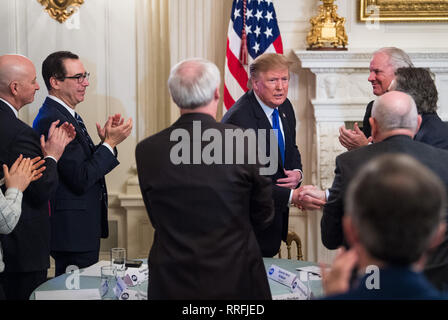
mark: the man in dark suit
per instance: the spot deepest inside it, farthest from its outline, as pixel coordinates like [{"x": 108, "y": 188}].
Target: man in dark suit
[
  {"x": 26, "y": 249},
  {"x": 384, "y": 63},
  {"x": 79, "y": 205},
  {"x": 204, "y": 209},
  {"x": 394, "y": 123},
  {"x": 394, "y": 214},
  {"x": 260, "y": 108},
  {"x": 419, "y": 83}
]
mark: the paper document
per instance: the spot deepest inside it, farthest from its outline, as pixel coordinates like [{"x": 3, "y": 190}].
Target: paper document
[
  {"x": 82, "y": 294},
  {"x": 304, "y": 276},
  {"x": 315, "y": 270}
]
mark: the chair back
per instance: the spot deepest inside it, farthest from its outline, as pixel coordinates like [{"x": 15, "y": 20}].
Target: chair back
[{"x": 290, "y": 238}]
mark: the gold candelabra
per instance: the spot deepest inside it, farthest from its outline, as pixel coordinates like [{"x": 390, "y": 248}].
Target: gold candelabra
[{"x": 327, "y": 29}]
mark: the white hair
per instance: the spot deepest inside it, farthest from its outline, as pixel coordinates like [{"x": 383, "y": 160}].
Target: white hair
[
  {"x": 192, "y": 83},
  {"x": 397, "y": 57}
]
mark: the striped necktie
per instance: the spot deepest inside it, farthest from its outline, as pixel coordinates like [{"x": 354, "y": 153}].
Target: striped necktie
[
  {"x": 84, "y": 131},
  {"x": 92, "y": 147},
  {"x": 281, "y": 143}
]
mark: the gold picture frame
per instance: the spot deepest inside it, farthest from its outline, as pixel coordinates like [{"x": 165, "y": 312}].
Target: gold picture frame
[
  {"x": 60, "y": 10},
  {"x": 403, "y": 10}
]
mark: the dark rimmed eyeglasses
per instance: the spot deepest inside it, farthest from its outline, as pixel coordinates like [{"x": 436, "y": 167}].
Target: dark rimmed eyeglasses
[{"x": 80, "y": 77}]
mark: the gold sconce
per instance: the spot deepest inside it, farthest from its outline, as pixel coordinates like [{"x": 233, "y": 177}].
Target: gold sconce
[
  {"x": 60, "y": 10},
  {"x": 327, "y": 29}
]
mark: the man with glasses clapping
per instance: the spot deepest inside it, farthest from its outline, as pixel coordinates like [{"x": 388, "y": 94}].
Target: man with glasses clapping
[{"x": 79, "y": 206}]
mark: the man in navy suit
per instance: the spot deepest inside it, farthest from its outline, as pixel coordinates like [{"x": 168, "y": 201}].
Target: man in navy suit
[
  {"x": 395, "y": 209},
  {"x": 419, "y": 83},
  {"x": 79, "y": 205},
  {"x": 26, "y": 249},
  {"x": 394, "y": 122},
  {"x": 261, "y": 108}
]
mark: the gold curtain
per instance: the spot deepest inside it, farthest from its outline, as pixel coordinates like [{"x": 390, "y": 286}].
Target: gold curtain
[
  {"x": 153, "y": 66},
  {"x": 168, "y": 32}
]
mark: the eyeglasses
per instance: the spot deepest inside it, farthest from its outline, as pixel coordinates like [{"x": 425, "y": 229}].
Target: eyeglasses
[{"x": 80, "y": 77}]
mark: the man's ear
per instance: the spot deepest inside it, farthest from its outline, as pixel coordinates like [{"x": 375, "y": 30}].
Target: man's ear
[
  {"x": 419, "y": 123},
  {"x": 54, "y": 83},
  {"x": 14, "y": 88},
  {"x": 216, "y": 94},
  {"x": 254, "y": 83},
  {"x": 350, "y": 231},
  {"x": 438, "y": 236}
]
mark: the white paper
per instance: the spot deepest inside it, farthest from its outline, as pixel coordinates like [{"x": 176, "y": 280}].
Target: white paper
[
  {"x": 303, "y": 276},
  {"x": 311, "y": 269},
  {"x": 290, "y": 296},
  {"x": 94, "y": 270},
  {"x": 81, "y": 294}
]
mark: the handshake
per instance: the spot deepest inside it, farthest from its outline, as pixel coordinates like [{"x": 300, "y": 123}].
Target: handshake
[{"x": 308, "y": 197}]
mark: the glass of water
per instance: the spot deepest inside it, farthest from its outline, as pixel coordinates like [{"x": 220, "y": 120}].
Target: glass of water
[{"x": 118, "y": 259}]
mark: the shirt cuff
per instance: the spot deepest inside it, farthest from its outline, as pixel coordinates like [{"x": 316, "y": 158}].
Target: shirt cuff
[
  {"x": 14, "y": 193},
  {"x": 290, "y": 198},
  {"x": 109, "y": 147},
  {"x": 51, "y": 157},
  {"x": 327, "y": 194}
]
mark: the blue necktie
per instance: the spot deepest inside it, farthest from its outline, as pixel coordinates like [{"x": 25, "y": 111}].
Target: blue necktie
[{"x": 281, "y": 143}]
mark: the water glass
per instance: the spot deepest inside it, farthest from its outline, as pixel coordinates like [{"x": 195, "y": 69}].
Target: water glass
[
  {"x": 108, "y": 282},
  {"x": 118, "y": 259}
]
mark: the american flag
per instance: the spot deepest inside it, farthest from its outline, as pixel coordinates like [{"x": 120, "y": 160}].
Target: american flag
[{"x": 252, "y": 22}]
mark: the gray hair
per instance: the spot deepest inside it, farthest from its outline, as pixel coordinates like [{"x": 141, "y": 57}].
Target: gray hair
[
  {"x": 395, "y": 110},
  {"x": 396, "y": 205},
  {"x": 192, "y": 83},
  {"x": 397, "y": 57},
  {"x": 419, "y": 83}
]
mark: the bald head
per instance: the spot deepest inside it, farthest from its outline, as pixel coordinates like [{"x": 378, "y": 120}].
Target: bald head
[
  {"x": 17, "y": 80},
  {"x": 393, "y": 113}
]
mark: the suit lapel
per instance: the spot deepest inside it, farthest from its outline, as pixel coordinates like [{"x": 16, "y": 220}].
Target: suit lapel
[{"x": 50, "y": 103}]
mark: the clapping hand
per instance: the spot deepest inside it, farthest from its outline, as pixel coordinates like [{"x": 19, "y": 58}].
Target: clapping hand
[
  {"x": 23, "y": 171},
  {"x": 337, "y": 280},
  {"x": 58, "y": 139},
  {"x": 353, "y": 139},
  {"x": 116, "y": 130},
  {"x": 117, "y": 120}
]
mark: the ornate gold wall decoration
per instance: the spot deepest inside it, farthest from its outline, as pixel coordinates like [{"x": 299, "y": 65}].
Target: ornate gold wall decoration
[
  {"x": 60, "y": 10},
  {"x": 403, "y": 10},
  {"x": 327, "y": 29}
]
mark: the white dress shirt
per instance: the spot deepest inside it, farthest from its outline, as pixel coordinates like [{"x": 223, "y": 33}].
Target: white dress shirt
[
  {"x": 72, "y": 112},
  {"x": 269, "y": 111}
]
